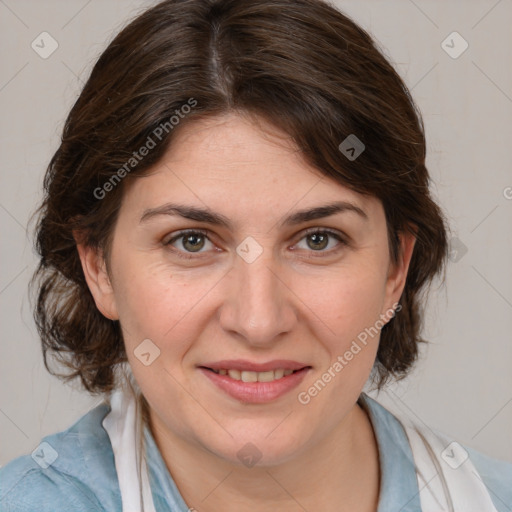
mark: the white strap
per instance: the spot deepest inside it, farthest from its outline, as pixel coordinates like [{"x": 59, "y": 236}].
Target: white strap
[
  {"x": 123, "y": 429},
  {"x": 447, "y": 479}
]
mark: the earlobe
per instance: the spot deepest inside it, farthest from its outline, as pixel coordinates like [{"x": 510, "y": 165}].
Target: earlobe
[{"x": 98, "y": 280}]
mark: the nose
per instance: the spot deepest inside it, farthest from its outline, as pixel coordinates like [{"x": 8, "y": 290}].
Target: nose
[{"x": 259, "y": 304}]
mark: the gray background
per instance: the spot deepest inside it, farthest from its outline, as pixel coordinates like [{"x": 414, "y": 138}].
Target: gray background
[{"x": 463, "y": 382}]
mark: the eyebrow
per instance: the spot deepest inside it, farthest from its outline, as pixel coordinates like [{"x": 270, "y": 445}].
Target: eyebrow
[{"x": 209, "y": 217}]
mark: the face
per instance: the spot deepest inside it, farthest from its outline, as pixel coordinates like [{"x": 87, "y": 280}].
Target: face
[{"x": 252, "y": 286}]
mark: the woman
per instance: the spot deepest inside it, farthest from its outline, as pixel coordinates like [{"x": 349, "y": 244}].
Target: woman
[{"x": 236, "y": 230}]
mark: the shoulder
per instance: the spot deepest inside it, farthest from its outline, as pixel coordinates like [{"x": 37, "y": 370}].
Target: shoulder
[
  {"x": 496, "y": 474},
  {"x": 476, "y": 468},
  {"x": 70, "y": 471}
]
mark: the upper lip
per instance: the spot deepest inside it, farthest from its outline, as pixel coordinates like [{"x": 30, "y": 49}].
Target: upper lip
[{"x": 244, "y": 365}]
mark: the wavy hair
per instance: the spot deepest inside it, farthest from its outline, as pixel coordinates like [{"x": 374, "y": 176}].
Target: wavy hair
[{"x": 303, "y": 66}]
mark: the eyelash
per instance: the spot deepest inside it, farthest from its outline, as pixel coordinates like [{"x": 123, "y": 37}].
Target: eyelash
[{"x": 308, "y": 232}]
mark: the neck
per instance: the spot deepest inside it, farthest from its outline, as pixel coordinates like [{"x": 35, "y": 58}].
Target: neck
[{"x": 340, "y": 473}]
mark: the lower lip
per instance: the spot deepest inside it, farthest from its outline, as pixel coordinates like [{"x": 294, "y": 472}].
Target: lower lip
[{"x": 256, "y": 392}]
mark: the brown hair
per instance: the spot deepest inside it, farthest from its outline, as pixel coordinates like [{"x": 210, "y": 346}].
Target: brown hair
[{"x": 301, "y": 65}]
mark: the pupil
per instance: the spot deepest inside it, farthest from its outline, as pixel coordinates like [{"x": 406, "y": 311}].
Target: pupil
[
  {"x": 319, "y": 237},
  {"x": 191, "y": 239}
]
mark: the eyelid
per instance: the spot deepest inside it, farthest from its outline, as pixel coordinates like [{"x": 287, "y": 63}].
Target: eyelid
[
  {"x": 182, "y": 233},
  {"x": 178, "y": 234},
  {"x": 329, "y": 231},
  {"x": 344, "y": 240}
]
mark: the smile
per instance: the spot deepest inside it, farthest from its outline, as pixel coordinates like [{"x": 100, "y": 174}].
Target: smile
[
  {"x": 257, "y": 387},
  {"x": 248, "y": 376}
]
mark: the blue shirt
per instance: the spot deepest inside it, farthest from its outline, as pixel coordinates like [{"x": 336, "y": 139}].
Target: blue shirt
[{"x": 83, "y": 476}]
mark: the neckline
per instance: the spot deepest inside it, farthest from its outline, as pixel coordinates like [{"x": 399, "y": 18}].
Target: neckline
[{"x": 397, "y": 473}]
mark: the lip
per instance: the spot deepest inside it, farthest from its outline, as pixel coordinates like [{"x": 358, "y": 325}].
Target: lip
[
  {"x": 255, "y": 392},
  {"x": 249, "y": 366}
]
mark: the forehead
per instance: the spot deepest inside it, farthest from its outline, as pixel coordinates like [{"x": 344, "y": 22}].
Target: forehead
[
  {"x": 236, "y": 146},
  {"x": 239, "y": 166}
]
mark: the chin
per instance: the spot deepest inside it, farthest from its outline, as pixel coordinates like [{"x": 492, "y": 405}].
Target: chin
[{"x": 255, "y": 451}]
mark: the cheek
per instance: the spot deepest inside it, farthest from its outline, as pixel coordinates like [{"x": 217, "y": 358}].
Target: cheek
[
  {"x": 346, "y": 302},
  {"x": 349, "y": 306},
  {"x": 162, "y": 305},
  {"x": 147, "y": 300}
]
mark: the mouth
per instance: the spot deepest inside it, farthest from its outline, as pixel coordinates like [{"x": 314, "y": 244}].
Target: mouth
[
  {"x": 251, "y": 376},
  {"x": 255, "y": 382}
]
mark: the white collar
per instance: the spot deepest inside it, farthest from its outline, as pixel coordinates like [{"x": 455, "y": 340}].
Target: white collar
[
  {"x": 124, "y": 427},
  {"x": 447, "y": 479}
]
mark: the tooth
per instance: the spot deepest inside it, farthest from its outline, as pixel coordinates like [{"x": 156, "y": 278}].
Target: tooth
[
  {"x": 234, "y": 374},
  {"x": 266, "y": 376},
  {"x": 249, "y": 376},
  {"x": 278, "y": 373}
]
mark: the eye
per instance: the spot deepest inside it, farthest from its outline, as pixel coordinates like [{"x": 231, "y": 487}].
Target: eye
[
  {"x": 186, "y": 243},
  {"x": 191, "y": 241},
  {"x": 318, "y": 239}
]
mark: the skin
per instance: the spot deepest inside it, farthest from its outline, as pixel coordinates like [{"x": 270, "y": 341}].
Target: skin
[{"x": 295, "y": 301}]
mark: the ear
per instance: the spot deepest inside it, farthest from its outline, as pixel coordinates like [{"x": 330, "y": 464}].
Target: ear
[
  {"x": 397, "y": 273},
  {"x": 98, "y": 280}
]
